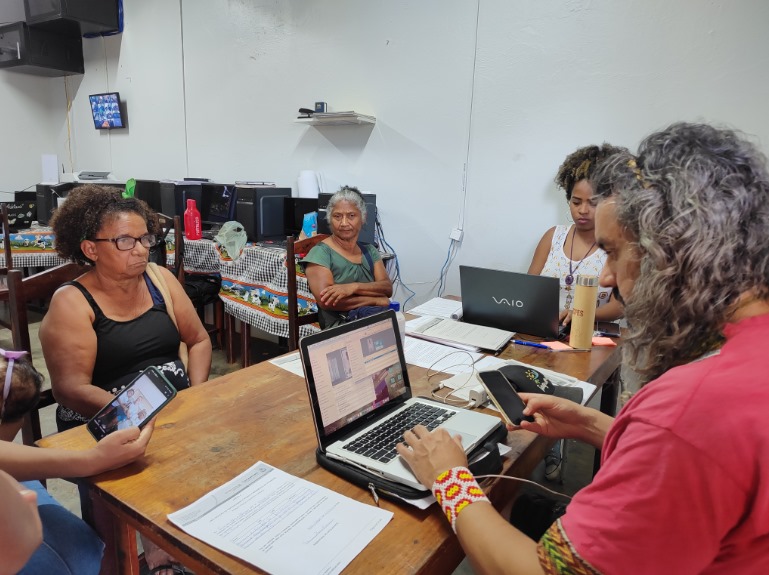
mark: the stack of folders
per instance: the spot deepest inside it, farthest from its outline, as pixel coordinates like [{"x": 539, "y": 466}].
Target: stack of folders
[{"x": 458, "y": 334}]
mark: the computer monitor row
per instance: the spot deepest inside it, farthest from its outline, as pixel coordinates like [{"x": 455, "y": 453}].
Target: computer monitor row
[{"x": 266, "y": 212}]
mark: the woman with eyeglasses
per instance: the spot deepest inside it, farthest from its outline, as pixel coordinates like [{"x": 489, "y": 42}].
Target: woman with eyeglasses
[{"x": 121, "y": 316}]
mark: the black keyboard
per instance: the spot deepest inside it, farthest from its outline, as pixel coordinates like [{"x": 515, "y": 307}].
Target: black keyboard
[{"x": 379, "y": 443}]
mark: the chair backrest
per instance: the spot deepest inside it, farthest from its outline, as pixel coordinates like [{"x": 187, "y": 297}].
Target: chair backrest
[
  {"x": 6, "y": 240},
  {"x": 22, "y": 290},
  {"x": 294, "y": 319}
]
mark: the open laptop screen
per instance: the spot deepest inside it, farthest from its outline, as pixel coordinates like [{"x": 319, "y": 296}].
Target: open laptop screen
[{"x": 353, "y": 371}]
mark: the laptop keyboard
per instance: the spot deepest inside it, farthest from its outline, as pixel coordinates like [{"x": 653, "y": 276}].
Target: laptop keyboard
[{"x": 379, "y": 442}]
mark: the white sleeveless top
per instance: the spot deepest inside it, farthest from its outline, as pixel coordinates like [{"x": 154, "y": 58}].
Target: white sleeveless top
[{"x": 557, "y": 266}]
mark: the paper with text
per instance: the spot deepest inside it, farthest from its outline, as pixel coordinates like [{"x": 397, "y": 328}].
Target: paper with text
[
  {"x": 438, "y": 357},
  {"x": 457, "y": 333},
  {"x": 290, "y": 362},
  {"x": 439, "y": 307},
  {"x": 281, "y": 523}
]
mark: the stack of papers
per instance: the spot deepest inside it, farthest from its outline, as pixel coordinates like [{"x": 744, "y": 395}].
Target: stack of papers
[
  {"x": 282, "y": 524},
  {"x": 439, "y": 307},
  {"x": 458, "y": 334}
]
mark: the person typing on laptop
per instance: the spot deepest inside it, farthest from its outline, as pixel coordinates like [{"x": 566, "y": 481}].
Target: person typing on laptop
[
  {"x": 679, "y": 491},
  {"x": 567, "y": 251}
]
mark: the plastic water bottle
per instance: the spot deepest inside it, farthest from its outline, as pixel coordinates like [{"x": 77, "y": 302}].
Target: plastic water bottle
[
  {"x": 193, "y": 228},
  {"x": 396, "y": 306}
]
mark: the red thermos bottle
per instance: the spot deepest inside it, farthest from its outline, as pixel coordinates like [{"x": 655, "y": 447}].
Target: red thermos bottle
[{"x": 193, "y": 229}]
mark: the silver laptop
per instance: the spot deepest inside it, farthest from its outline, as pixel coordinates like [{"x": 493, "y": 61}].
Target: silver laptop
[
  {"x": 507, "y": 300},
  {"x": 361, "y": 398}
]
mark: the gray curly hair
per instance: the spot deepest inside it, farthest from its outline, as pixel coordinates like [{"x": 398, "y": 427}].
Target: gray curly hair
[
  {"x": 347, "y": 194},
  {"x": 696, "y": 200}
]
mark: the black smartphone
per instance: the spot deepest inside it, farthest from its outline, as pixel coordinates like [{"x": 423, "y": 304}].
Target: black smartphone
[
  {"x": 502, "y": 394},
  {"x": 136, "y": 404},
  {"x": 607, "y": 328}
]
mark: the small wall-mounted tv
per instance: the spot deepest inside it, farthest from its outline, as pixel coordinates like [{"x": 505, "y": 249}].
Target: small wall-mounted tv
[{"x": 107, "y": 112}]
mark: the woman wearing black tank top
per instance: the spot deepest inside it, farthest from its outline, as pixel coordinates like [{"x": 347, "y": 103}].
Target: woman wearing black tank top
[{"x": 121, "y": 316}]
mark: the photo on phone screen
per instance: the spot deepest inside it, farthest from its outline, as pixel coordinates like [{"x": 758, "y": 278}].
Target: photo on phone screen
[
  {"x": 502, "y": 394},
  {"x": 135, "y": 405}
]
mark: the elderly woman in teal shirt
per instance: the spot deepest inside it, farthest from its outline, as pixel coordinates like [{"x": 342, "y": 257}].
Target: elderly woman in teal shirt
[{"x": 341, "y": 275}]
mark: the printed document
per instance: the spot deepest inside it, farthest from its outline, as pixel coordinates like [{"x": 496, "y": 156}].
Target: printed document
[
  {"x": 439, "y": 357},
  {"x": 458, "y": 334},
  {"x": 281, "y": 523},
  {"x": 439, "y": 307},
  {"x": 290, "y": 362}
]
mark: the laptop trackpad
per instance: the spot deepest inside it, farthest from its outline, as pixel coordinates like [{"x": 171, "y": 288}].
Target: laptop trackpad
[{"x": 468, "y": 440}]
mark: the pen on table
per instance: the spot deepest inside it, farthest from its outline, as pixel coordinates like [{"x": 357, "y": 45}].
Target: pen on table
[{"x": 529, "y": 343}]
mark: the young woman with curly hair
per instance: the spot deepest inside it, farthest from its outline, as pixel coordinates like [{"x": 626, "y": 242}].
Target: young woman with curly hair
[{"x": 567, "y": 251}]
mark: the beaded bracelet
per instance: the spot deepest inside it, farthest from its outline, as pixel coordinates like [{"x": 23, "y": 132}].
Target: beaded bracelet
[{"x": 454, "y": 490}]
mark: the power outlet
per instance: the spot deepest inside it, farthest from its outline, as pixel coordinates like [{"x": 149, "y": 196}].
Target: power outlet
[{"x": 456, "y": 234}]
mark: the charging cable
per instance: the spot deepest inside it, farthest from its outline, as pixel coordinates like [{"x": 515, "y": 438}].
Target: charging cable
[
  {"x": 529, "y": 481},
  {"x": 476, "y": 399}
]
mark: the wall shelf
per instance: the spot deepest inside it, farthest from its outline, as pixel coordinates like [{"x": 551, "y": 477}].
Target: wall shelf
[{"x": 337, "y": 119}]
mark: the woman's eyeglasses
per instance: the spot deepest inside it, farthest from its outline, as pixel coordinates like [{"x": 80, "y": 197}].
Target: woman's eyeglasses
[{"x": 125, "y": 243}]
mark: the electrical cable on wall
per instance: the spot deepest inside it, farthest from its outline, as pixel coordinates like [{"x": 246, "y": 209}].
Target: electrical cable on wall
[{"x": 379, "y": 234}]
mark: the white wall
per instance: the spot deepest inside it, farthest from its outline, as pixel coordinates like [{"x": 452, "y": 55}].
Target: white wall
[{"x": 212, "y": 88}]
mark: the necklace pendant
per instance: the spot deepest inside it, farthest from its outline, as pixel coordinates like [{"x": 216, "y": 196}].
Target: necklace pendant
[{"x": 569, "y": 279}]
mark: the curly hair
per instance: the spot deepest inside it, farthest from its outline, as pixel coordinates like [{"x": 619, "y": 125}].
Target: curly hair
[
  {"x": 24, "y": 395},
  {"x": 86, "y": 210},
  {"x": 696, "y": 202},
  {"x": 581, "y": 164}
]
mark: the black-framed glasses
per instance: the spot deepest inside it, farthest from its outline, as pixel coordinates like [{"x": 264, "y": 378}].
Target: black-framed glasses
[{"x": 125, "y": 243}]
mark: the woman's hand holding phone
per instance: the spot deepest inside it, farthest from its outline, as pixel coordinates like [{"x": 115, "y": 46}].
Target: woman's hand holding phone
[
  {"x": 120, "y": 448},
  {"x": 563, "y": 419}
]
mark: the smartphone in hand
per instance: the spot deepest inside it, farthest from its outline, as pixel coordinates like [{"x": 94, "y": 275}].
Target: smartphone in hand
[
  {"x": 135, "y": 405},
  {"x": 504, "y": 396}
]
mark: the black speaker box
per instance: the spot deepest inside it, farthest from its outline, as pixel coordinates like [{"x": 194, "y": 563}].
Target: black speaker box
[
  {"x": 89, "y": 16},
  {"x": 40, "y": 52}
]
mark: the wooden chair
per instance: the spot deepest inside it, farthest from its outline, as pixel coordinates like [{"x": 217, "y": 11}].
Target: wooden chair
[
  {"x": 200, "y": 301},
  {"x": 6, "y": 240},
  {"x": 8, "y": 257},
  {"x": 22, "y": 290},
  {"x": 294, "y": 319}
]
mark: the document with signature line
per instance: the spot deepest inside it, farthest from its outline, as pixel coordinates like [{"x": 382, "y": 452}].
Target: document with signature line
[{"x": 281, "y": 523}]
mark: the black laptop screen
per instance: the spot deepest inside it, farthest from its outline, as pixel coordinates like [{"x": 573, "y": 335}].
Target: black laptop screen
[{"x": 353, "y": 371}]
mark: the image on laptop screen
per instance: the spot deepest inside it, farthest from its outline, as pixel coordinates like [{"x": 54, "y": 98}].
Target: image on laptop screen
[{"x": 355, "y": 373}]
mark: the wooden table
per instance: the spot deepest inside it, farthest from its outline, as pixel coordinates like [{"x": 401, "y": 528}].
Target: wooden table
[{"x": 211, "y": 433}]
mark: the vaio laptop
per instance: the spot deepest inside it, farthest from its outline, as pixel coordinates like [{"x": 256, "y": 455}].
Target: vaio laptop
[
  {"x": 361, "y": 398},
  {"x": 507, "y": 300}
]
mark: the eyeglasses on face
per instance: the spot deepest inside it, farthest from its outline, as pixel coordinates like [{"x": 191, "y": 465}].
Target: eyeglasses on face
[{"x": 125, "y": 243}]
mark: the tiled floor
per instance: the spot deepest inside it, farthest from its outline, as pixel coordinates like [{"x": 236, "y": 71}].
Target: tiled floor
[{"x": 579, "y": 456}]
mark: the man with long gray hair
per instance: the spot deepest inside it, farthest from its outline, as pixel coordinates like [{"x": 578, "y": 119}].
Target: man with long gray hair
[{"x": 683, "y": 484}]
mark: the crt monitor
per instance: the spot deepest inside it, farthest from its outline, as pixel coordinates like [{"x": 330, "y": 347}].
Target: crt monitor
[{"x": 367, "y": 231}]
